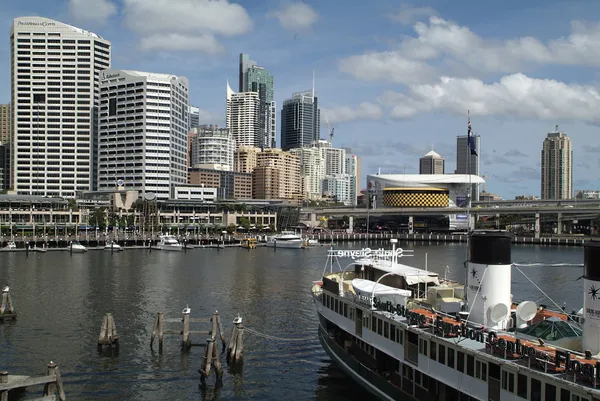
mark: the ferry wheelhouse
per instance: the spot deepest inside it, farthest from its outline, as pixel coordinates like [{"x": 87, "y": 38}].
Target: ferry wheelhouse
[{"x": 406, "y": 333}]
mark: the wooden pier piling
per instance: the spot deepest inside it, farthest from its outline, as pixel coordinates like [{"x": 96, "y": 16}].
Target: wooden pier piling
[
  {"x": 52, "y": 384},
  {"x": 235, "y": 349},
  {"x": 108, "y": 332},
  {"x": 7, "y": 310},
  {"x": 185, "y": 332}
]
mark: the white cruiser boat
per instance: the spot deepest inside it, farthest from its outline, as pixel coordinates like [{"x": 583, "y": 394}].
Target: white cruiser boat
[
  {"x": 169, "y": 243},
  {"x": 76, "y": 247},
  {"x": 286, "y": 239},
  {"x": 311, "y": 242},
  {"x": 113, "y": 247},
  {"x": 11, "y": 245},
  {"x": 406, "y": 333}
]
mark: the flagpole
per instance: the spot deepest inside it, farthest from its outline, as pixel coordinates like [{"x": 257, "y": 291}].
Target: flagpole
[{"x": 469, "y": 193}]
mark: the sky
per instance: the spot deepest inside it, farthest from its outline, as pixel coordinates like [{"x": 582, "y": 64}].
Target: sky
[{"x": 394, "y": 79}]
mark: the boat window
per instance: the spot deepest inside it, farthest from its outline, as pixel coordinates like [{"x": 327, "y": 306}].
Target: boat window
[
  {"x": 442, "y": 354},
  {"x": 336, "y": 305},
  {"x": 451, "y": 357},
  {"x": 345, "y": 309},
  {"x": 393, "y": 332},
  {"x": 550, "y": 392},
  {"x": 508, "y": 381},
  {"x": 423, "y": 346},
  {"x": 366, "y": 321},
  {"x": 494, "y": 371},
  {"x": 386, "y": 329},
  {"x": 351, "y": 313},
  {"x": 380, "y": 327},
  {"x": 373, "y": 324},
  {"x": 565, "y": 395},
  {"x": 400, "y": 336},
  {"x": 460, "y": 361},
  {"x": 484, "y": 371},
  {"x": 521, "y": 385},
  {"x": 470, "y": 365},
  {"x": 536, "y": 390},
  {"x": 433, "y": 353}
]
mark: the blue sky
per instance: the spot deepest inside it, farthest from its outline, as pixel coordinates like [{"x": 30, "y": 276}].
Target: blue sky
[{"x": 396, "y": 79}]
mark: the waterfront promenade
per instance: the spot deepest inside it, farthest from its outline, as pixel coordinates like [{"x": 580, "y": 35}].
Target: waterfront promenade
[{"x": 225, "y": 240}]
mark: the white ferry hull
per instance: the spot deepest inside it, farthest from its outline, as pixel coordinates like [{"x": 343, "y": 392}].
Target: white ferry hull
[{"x": 293, "y": 244}]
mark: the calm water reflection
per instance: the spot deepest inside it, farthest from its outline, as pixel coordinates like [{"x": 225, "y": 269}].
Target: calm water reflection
[{"x": 61, "y": 299}]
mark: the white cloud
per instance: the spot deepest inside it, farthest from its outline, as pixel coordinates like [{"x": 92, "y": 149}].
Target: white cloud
[
  {"x": 92, "y": 10},
  {"x": 295, "y": 16},
  {"x": 173, "y": 41},
  {"x": 192, "y": 24},
  {"x": 441, "y": 40},
  {"x": 407, "y": 14},
  {"x": 516, "y": 95},
  {"x": 364, "y": 111},
  {"x": 390, "y": 66}
]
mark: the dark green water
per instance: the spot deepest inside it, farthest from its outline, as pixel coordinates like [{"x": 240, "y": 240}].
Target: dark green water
[{"x": 61, "y": 299}]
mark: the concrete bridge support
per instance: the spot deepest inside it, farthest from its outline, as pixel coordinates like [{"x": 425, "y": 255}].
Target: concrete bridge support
[
  {"x": 350, "y": 224},
  {"x": 559, "y": 224},
  {"x": 411, "y": 223},
  {"x": 537, "y": 225}
]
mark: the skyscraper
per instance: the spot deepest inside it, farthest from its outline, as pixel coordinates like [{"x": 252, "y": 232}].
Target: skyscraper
[
  {"x": 54, "y": 91},
  {"x": 194, "y": 117},
  {"x": 144, "y": 145},
  {"x": 300, "y": 121},
  {"x": 5, "y": 124},
  {"x": 254, "y": 78},
  {"x": 213, "y": 148},
  {"x": 242, "y": 117},
  {"x": 431, "y": 163},
  {"x": 557, "y": 166},
  {"x": 466, "y": 162}
]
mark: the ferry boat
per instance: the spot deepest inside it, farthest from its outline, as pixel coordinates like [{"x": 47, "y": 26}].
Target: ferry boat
[
  {"x": 406, "y": 333},
  {"x": 168, "y": 243},
  {"x": 286, "y": 239}
]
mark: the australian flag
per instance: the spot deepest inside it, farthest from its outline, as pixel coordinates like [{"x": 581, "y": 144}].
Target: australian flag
[{"x": 471, "y": 139}]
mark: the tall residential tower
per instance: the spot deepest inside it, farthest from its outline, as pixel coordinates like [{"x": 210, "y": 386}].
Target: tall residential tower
[
  {"x": 242, "y": 117},
  {"x": 254, "y": 78},
  {"x": 557, "y": 166},
  {"x": 54, "y": 98}
]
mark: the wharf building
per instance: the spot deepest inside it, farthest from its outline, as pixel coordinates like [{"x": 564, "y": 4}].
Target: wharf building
[
  {"x": 143, "y": 131},
  {"x": 467, "y": 163},
  {"x": 431, "y": 163},
  {"x": 255, "y": 78},
  {"x": 557, "y": 166},
  {"x": 55, "y": 71},
  {"x": 423, "y": 191},
  {"x": 212, "y": 147},
  {"x": 243, "y": 117},
  {"x": 300, "y": 121}
]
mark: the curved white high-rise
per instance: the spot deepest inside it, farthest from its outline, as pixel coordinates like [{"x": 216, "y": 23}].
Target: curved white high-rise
[
  {"x": 54, "y": 94},
  {"x": 242, "y": 117}
]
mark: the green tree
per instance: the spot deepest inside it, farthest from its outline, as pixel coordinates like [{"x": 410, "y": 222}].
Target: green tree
[
  {"x": 231, "y": 228},
  {"x": 244, "y": 222},
  {"x": 98, "y": 218}
]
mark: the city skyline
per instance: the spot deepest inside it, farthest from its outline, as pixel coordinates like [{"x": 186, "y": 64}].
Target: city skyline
[{"x": 390, "y": 105}]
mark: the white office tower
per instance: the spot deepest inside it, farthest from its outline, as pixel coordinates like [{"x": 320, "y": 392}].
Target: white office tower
[
  {"x": 54, "y": 84},
  {"x": 242, "y": 118},
  {"x": 194, "y": 117},
  {"x": 312, "y": 170},
  {"x": 335, "y": 158},
  {"x": 212, "y": 148},
  {"x": 143, "y": 131},
  {"x": 339, "y": 188},
  {"x": 489, "y": 278},
  {"x": 352, "y": 168}
]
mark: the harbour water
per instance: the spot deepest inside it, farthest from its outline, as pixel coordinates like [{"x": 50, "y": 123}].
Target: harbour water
[{"x": 61, "y": 298}]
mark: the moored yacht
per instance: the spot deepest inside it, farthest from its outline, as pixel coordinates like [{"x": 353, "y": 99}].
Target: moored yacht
[
  {"x": 287, "y": 239},
  {"x": 113, "y": 247},
  {"x": 76, "y": 247},
  {"x": 406, "y": 333},
  {"x": 169, "y": 243}
]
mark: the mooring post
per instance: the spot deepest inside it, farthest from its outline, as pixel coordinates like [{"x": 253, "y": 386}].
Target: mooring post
[
  {"x": 220, "y": 328},
  {"x": 103, "y": 329},
  {"x": 239, "y": 346},
  {"x": 4, "y": 380},
  {"x": 154, "y": 331},
  {"x": 185, "y": 340},
  {"x": 108, "y": 331},
  {"x": 161, "y": 330},
  {"x": 216, "y": 362},
  {"x": 50, "y": 388}
]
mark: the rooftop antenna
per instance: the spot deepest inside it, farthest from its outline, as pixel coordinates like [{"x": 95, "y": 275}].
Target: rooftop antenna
[{"x": 313, "y": 86}]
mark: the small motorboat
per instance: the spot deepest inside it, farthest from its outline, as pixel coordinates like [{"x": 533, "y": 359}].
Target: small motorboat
[
  {"x": 113, "y": 247},
  {"x": 11, "y": 245},
  {"x": 76, "y": 247}
]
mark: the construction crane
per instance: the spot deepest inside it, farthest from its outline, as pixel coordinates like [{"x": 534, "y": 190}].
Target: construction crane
[
  {"x": 485, "y": 177},
  {"x": 329, "y": 128}
]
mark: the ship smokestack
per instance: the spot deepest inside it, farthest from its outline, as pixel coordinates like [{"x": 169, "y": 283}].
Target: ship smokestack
[
  {"x": 489, "y": 278},
  {"x": 591, "y": 297}
]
